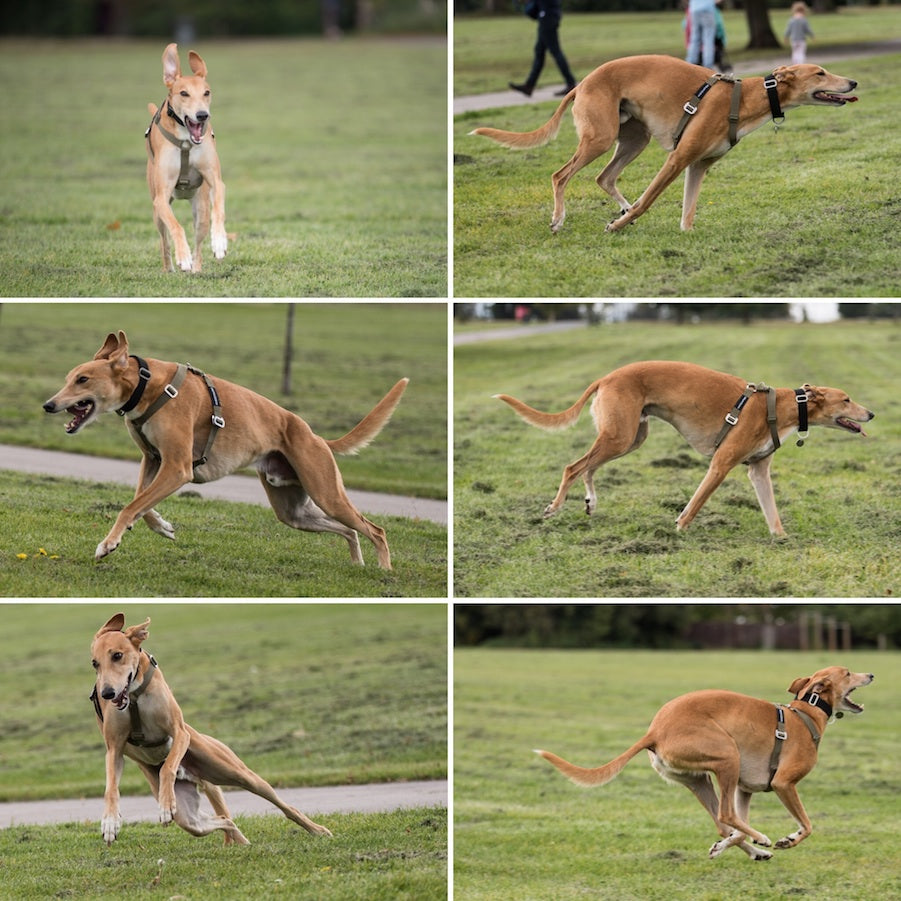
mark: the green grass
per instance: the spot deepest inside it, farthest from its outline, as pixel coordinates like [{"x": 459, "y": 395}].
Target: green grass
[
  {"x": 522, "y": 831},
  {"x": 346, "y": 357},
  {"x": 306, "y": 694},
  {"x": 221, "y": 549},
  {"x": 808, "y": 212},
  {"x": 489, "y": 52},
  {"x": 400, "y": 856},
  {"x": 333, "y": 155},
  {"x": 837, "y": 495}
]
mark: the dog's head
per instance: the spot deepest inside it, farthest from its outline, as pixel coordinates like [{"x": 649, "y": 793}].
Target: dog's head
[
  {"x": 809, "y": 84},
  {"x": 834, "y": 685},
  {"x": 98, "y": 386},
  {"x": 116, "y": 657},
  {"x": 832, "y": 408},
  {"x": 189, "y": 95}
]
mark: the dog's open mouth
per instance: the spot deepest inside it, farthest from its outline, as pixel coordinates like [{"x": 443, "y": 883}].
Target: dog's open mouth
[
  {"x": 81, "y": 413},
  {"x": 121, "y": 699},
  {"x": 849, "y": 705},
  {"x": 195, "y": 129},
  {"x": 850, "y": 425},
  {"x": 837, "y": 99}
]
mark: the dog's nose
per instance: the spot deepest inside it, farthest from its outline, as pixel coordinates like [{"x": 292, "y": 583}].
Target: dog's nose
[
  {"x": 202, "y": 116},
  {"x": 107, "y": 694},
  {"x": 49, "y": 407},
  {"x": 853, "y": 84}
]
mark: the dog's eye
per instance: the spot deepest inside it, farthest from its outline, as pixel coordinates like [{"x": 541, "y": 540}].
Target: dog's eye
[
  {"x": 185, "y": 94},
  {"x": 206, "y": 93},
  {"x": 95, "y": 664},
  {"x": 117, "y": 656},
  {"x": 81, "y": 380}
]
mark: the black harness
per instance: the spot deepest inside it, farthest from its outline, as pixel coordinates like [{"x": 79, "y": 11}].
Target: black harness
[
  {"x": 750, "y": 389},
  {"x": 189, "y": 179},
  {"x": 136, "y": 736},
  {"x": 170, "y": 392},
  {"x": 781, "y": 735}
]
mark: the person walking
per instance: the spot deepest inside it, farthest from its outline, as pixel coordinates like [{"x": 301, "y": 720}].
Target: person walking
[
  {"x": 548, "y": 13},
  {"x": 702, "y": 33},
  {"x": 798, "y": 31}
]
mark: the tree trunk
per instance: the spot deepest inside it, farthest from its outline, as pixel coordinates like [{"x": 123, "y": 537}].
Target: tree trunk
[{"x": 759, "y": 29}]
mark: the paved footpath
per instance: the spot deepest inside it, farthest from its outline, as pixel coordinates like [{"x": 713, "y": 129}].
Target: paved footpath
[
  {"x": 232, "y": 488},
  {"x": 477, "y": 102},
  {"x": 378, "y": 798}
]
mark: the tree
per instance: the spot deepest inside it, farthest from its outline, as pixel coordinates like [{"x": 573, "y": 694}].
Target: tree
[{"x": 759, "y": 28}]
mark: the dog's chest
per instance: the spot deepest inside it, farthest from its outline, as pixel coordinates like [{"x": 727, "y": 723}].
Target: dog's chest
[{"x": 151, "y": 756}]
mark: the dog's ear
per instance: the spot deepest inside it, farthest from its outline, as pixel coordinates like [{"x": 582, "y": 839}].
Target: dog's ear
[
  {"x": 797, "y": 685},
  {"x": 113, "y": 624},
  {"x": 138, "y": 634},
  {"x": 783, "y": 73},
  {"x": 171, "y": 65},
  {"x": 814, "y": 394},
  {"x": 198, "y": 66},
  {"x": 110, "y": 346}
]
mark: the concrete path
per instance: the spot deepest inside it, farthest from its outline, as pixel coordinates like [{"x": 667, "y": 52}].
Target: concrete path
[
  {"x": 232, "y": 488},
  {"x": 476, "y": 102},
  {"x": 379, "y": 798},
  {"x": 523, "y": 330}
]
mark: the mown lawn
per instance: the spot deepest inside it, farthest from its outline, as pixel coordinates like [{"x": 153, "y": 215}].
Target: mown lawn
[
  {"x": 522, "y": 830},
  {"x": 838, "y": 494},
  {"x": 333, "y": 155}
]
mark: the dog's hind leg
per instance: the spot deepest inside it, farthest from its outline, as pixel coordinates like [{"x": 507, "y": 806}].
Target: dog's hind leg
[
  {"x": 590, "y": 495},
  {"x": 295, "y": 508},
  {"x": 633, "y": 138},
  {"x": 200, "y": 208}
]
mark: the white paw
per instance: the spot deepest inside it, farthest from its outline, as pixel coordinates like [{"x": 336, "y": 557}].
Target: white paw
[
  {"x": 167, "y": 814},
  {"x": 109, "y": 827},
  {"x": 220, "y": 245},
  {"x": 105, "y": 547},
  {"x": 186, "y": 264}
]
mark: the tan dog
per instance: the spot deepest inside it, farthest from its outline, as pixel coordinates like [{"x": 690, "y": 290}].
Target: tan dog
[
  {"x": 140, "y": 719},
  {"x": 735, "y": 738},
  {"x": 171, "y": 421},
  {"x": 695, "y": 401},
  {"x": 629, "y": 101},
  {"x": 182, "y": 164}
]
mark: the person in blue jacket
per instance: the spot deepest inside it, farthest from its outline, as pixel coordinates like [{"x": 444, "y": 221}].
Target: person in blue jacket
[{"x": 548, "y": 13}]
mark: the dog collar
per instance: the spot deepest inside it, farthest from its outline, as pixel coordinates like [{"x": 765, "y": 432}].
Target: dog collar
[
  {"x": 173, "y": 115},
  {"x": 815, "y": 700},
  {"x": 769, "y": 82},
  {"x": 801, "y": 399},
  {"x": 143, "y": 379}
]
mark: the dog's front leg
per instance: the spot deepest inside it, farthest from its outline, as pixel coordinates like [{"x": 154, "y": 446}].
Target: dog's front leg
[
  {"x": 168, "y": 772},
  {"x": 759, "y": 474},
  {"x": 169, "y": 479},
  {"x": 112, "y": 818}
]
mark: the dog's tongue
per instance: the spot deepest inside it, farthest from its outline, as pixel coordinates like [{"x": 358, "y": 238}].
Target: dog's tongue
[{"x": 195, "y": 129}]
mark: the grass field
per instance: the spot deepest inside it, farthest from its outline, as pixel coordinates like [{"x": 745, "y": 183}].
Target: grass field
[
  {"x": 333, "y": 156},
  {"x": 306, "y": 694},
  {"x": 522, "y": 831},
  {"x": 489, "y": 52},
  {"x": 346, "y": 357},
  {"x": 767, "y": 212},
  {"x": 837, "y": 495},
  {"x": 399, "y": 856}
]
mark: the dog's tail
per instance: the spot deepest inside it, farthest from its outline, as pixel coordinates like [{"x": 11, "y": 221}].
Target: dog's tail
[
  {"x": 600, "y": 775},
  {"x": 371, "y": 424},
  {"x": 521, "y": 140},
  {"x": 550, "y": 420}
]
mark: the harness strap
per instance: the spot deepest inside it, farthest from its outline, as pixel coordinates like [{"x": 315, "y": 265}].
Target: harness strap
[
  {"x": 188, "y": 180},
  {"x": 801, "y": 400},
  {"x": 143, "y": 379},
  {"x": 781, "y": 736},
  {"x": 691, "y": 107},
  {"x": 771, "y": 417},
  {"x": 772, "y": 95},
  {"x": 170, "y": 392},
  {"x": 733, "y": 414}
]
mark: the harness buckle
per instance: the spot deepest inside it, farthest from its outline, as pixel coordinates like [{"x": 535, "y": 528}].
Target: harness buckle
[
  {"x": 218, "y": 421},
  {"x": 781, "y": 735},
  {"x": 690, "y": 108},
  {"x": 813, "y": 699},
  {"x": 770, "y": 82},
  {"x": 144, "y": 373},
  {"x": 731, "y": 418},
  {"x": 172, "y": 392}
]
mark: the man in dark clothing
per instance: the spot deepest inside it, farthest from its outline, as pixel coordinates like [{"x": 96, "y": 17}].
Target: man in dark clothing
[{"x": 548, "y": 13}]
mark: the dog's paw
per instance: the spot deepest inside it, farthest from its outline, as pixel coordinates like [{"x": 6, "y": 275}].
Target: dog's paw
[
  {"x": 762, "y": 842},
  {"x": 109, "y": 827},
  {"x": 759, "y": 854},
  {"x": 549, "y": 511},
  {"x": 186, "y": 264},
  {"x": 167, "y": 813},
  {"x": 220, "y": 245},
  {"x": 105, "y": 548},
  {"x": 717, "y": 848}
]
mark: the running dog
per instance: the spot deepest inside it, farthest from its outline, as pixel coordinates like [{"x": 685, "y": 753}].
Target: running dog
[
  {"x": 719, "y": 415},
  {"x": 179, "y": 762},
  {"x": 750, "y": 746},
  {"x": 182, "y": 164},
  {"x": 695, "y": 115},
  {"x": 194, "y": 428}
]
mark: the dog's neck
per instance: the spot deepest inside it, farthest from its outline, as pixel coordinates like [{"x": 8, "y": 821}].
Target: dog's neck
[
  {"x": 144, "y": 376},
  {"x": 815, "y": 700}
]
